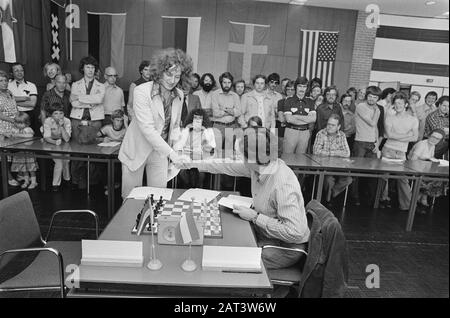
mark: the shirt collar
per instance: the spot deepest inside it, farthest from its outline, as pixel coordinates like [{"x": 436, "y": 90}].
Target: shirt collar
[
  {"x": 156, "y": 90},
  {"x": 109, "y": 85},
  {"x": 267, "y": 171},
  {"x": 23, "y": 81}
]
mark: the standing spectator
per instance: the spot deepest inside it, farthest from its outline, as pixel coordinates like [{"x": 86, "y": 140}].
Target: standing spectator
[
  {"x": 114, "y": 99},
  {"x": 25, "y": 94},
  {"x": 58, "y": 94},
  {"x": 8, "y": 111},
  {"x": 289, "y": 91},
  {"x": 226, "y": 109},
  {"x": 144, "y": 71},
  {"x": 273, "y": 82},
  {"x": 366, "y": 138},
  {"x": 331, "y": 141},
  {"x": 439, "y": 120},
  {"x": 191, "y": 101},
  {"x": 299, "y": 112},
  {"x": 422, "y": 111},
  {"x": 195, "y": 82},
  {"x": 353, "y": 92},
  {"x": 361, "y": 96},
  {"x": 386, "y": 101},
  {"x": 239, "y": 88},
  {"x": 401, "y": 129},
  {"x": 208, "y": 84},
  {"x": 284, "y": 81},
  {"x": 330, "y": 106},
  {"x": 315, "y": 92},
  {"x": 87, "y": 114},
  {"x": 57, "y": 129},
  {"x": 349, "y": 119},
  {"x": 258, "y": 103},
  {"x": 414, "y": 99}
]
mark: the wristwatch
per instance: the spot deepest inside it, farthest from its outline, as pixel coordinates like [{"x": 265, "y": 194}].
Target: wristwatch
[{"x": 255, "y": 218}]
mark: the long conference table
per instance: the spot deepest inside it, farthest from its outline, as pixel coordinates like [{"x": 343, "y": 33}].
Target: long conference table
[
  {"x": 170, "y": 280},
  {"x": 416, "y": 171},
  {"x": 38, "y": 148}
]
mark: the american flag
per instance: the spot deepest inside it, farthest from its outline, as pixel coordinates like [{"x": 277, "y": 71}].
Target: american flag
[{"x": 318, "y": 54}]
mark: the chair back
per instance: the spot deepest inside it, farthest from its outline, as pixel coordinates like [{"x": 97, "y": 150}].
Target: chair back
[{"x": 18, "y": 224}]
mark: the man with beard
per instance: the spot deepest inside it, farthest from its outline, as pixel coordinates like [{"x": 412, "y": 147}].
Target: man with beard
[
  {"x": 226, "y": 108},
  {"x": 330, "y": 106},
  {"x": 207, "y": 83}
]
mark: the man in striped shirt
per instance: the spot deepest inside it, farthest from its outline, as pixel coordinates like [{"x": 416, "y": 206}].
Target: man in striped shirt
[
  {"x": 278, "y": 211},
  {"x": 332, "y": 142}
]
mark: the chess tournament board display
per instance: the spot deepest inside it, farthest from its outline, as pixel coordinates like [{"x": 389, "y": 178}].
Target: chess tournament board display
[{"x": 211, "y": 217}]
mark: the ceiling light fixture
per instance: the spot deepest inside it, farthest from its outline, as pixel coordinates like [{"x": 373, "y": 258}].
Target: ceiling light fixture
[{"x": 430, "y": 3}]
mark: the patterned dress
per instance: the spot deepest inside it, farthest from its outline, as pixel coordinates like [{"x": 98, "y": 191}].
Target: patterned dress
[
  {"x": 24, "y": 161},
  {"x": 8, "y": 108}
]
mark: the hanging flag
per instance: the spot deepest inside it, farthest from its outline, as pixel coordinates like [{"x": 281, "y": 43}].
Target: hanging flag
[
  {"x": 318, "y": 55},
  {"x": 55, "y": 35},
  {"x": 107, "y": 39},
  {"x": 12, "y": 35},
  {"x": 247, "y": 49},
  {"x": 186, "y": 231},
  {"x": 182, "y": 33}
]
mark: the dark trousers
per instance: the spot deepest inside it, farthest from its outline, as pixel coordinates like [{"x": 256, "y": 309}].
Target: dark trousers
[
  {"x": 78, "y": 169},
  {"x": 364, "y": 149},
  {"x": 441, "y": 149}
]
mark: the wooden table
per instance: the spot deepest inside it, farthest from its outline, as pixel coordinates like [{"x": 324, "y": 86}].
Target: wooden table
[
  {"x": 89, "y": 153},
  {"x": 95, "y": 281}
]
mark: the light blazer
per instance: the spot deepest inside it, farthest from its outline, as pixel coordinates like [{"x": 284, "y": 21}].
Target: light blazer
[
  {"x": 249, "y": 108},
  {"x": 93, "y": 101},
  {"x": 143, "y": 136}
]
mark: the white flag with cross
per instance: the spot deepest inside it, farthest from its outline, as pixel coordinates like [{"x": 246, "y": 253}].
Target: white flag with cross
[{"x": 247, "y": 49}]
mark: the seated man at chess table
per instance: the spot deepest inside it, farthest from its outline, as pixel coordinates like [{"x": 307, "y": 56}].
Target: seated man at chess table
[{"x": 278, "y": 210}]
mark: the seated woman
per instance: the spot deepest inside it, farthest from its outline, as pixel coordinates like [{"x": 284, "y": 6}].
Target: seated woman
[
  {"x": 424, "y": 150},
  {"x": 197, "y": 141},
  {"x": 278, "y": 211}
]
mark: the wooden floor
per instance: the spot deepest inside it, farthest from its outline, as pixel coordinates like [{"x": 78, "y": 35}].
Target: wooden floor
[{"x": 412, "y": 264}]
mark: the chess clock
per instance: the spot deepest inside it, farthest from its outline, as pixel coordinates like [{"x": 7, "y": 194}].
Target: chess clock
[{"x": 167, "y": 231}]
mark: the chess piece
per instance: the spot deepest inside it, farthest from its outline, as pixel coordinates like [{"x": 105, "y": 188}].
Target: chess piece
[
  {"x": 152, "y": 201},
  {"x": 161, "y": 200}
]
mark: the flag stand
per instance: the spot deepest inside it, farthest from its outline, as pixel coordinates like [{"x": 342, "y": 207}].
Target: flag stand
[
  {"x": 154, "y": 264},
  {"x": 189, "y": 265}
]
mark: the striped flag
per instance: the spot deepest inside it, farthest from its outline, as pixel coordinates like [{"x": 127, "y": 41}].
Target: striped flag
[
  {"x": 414, "y": 51},
  {"x": 186, "y": 231},
  {"x": 107, "y": 39},
  {"x": 12, "y": 33},
  {"x": 318, "y": 54},
  {"x": 182, "y": 33}
]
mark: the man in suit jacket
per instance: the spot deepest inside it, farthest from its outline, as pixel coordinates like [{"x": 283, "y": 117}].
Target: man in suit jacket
[
  {"x": 191, "y": 101},
  {"x": 157, "y": 106}
]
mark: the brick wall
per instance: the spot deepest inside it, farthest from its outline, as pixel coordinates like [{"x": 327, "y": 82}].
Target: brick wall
[{"x": 362, "y": 52}]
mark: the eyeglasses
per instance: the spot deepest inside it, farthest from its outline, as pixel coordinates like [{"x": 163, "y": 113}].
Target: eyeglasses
[
  {"x": 274, "y": 82},
  {"x": 290, "y": 88},
  {"x": 112, "y": 75}
]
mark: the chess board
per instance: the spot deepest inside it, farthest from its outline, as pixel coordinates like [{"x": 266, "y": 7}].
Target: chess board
[{"x": 211, "y": 218}]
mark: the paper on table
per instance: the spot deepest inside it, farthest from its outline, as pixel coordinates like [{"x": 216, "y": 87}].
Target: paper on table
[
  {"x": 109, "y": 144},
  {"x": 172, "y": 172},
  {"x": 141, "y": 193},
  {"x": 233, "y": 200},
  {"x": 443, "y": 163},
  {"x": 199, "y": 195},
  {"x": 230, "y": 258},
  {"x": 392, "y": 160}
]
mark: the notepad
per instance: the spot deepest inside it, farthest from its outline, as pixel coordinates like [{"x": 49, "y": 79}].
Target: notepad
[
  {"x": 112, "y": 253},
  {"x": 142, "y": 193},
  {"x": 233, "y": 200},
  {"x": 199, "y": 195},
  {"x": 232, "y": 259}
]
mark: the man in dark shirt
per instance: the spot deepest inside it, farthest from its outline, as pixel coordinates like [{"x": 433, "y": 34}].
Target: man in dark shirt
[
  {"x": 57, "y": 94},
  {"x": 299, "y": 113},
  {"x": 330, "y": 106}
]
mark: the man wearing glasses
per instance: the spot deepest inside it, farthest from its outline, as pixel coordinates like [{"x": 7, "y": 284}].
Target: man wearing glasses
[
  {"x": 114, "y": 99},
  {"x": 274, "y": 81}
]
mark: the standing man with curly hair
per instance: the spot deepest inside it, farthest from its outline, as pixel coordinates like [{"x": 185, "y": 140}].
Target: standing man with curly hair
[{"x": 157, "y": 107}]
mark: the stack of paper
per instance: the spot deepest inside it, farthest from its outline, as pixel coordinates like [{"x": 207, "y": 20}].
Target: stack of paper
[
  {"x": 232, "y": 259},
  {"x": 233, "y": 200},
  {"x": 142, "y": 193},
  {"x": 199, "y": 195},
  {"x": 109, "y": 144},
  {"x": 443, "y": 162},
  {"x": 112, "y": 253}
]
